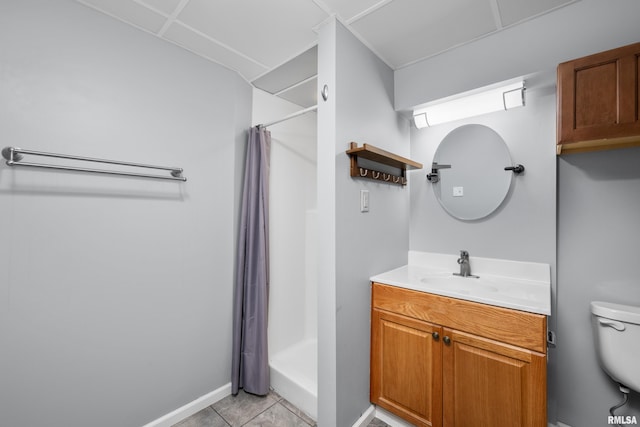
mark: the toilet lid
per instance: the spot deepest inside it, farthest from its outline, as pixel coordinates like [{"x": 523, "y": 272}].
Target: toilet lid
[{"x": 620, "y": 312}]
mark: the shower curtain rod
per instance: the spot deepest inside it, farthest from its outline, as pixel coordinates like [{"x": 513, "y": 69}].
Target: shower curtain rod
[
  {"x": 14, "y": 156},
  {"x": 290, "y": 116}
]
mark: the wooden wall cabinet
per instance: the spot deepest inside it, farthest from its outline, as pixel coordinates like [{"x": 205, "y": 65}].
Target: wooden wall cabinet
[
  {"x": 599, "y": 100},
  {"x": 438, "y": 361}
]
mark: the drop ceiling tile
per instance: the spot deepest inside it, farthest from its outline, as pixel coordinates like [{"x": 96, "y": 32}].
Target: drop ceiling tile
[
  {"x": 349, "y": 9},
  {"x": 268, "y": 31},
  {"x": 290, "y": 73},
  {"x": 512, "y": 11},
  {"x": 405, "y": 31},
  {"x": 130, "y": 12},
  {"x": 305, "y": 95},
  {"x": 165, "y": 6},
  {"x": 196, "y": 43}
]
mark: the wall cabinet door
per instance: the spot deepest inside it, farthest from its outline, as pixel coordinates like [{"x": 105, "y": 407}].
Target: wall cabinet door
[
  {"x": 488, "y": 383},
  {"x": 406, "y": 367},
  {"x": 598, "y": 101}
]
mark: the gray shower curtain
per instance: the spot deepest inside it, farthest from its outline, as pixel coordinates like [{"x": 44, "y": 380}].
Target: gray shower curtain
[{"x": 250, "y": 369}]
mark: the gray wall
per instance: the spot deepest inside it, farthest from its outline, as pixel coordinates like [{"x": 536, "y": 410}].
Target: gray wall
[
  {"x": 327, "y": 178},
  {"x": 115, "y": 293},
  {"x": 598, "y": 247},
  {"x": 577, "y": 389},
  {"x": 523, "y": 228},
  {"x": 361, "y": 110}
]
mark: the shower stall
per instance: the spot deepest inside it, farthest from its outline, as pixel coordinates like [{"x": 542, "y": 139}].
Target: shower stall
[
  {"x": 293, "y": 313},
  {"x": 293, "y": 241}
]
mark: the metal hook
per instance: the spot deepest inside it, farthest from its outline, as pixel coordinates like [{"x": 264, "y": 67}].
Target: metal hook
[
  {"x": 386, "y": 177},
  {"x": 325, "y": 92},
  {"x": 366, "y": 172},
  {"x": 373, "y": 173},
  {"x": 396, "y": 179}
]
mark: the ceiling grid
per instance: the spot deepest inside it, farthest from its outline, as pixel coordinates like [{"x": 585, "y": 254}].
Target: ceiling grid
[{"x": 257, "y": 38}]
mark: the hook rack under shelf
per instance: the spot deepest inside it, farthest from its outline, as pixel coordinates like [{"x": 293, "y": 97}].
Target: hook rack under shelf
[{"x": 383, "y": 157}]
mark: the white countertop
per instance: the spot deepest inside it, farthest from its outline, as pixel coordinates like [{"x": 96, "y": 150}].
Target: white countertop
[{"x": 510, "y": 284}]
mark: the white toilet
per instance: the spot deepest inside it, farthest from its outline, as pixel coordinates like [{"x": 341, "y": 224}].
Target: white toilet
[{"x": 617, "y": 334}]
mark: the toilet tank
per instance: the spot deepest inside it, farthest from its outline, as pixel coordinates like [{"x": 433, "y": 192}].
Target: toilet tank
[{"x": 617, "y": 337}]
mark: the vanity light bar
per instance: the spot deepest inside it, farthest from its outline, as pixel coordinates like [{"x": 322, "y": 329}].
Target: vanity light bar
[{"x": 495, "y": 99}]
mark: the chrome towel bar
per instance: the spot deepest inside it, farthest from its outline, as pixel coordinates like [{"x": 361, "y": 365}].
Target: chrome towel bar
[{"x": 14, "y": 157}]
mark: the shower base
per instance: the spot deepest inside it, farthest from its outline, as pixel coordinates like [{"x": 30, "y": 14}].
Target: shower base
[{"x": 294, "y": 375}]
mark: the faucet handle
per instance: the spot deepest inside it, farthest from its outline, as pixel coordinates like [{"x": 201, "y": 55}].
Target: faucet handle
[{"x": 464, "y": 254}]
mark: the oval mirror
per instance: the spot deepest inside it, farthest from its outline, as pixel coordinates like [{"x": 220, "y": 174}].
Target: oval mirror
[{"x": 476, "y": 183}]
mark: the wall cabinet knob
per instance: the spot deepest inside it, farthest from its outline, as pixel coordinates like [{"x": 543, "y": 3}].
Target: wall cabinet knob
[
  {"x": 435, "y": 335},
  {"x": 446, "y": 340}
]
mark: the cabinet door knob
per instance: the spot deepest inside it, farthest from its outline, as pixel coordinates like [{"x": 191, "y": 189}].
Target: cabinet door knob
[
  {"x": 446, "y": 340},
  {"x": 435, "y": 335}
]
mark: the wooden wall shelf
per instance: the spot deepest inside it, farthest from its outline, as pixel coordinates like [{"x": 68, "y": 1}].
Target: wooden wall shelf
[{"x": 377, "y": 155}]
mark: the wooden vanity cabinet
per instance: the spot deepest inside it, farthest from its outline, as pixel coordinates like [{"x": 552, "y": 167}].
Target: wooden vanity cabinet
[
  {"x": 438, "y": 361},
  {"x": 599, "y": 101},
  {"x": 406, "y": 367},
  {"x": 488, "y": 383}
]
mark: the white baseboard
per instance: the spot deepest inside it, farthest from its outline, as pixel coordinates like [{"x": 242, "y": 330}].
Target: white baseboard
[
  {"x": 395, "y": 421},
  {"x": 366, "y": 417},
  {"x": 391, "y": 419},
  {"x": 379, "y": 413},
  {"x": 192, "y": 407},
  {"x": 216, "y": 395}
]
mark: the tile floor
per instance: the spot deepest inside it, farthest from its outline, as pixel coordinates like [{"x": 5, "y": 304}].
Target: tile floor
[{"x": 247, "y": 410}]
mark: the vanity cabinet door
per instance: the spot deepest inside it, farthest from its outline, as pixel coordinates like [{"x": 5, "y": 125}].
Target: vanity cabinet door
[
  {"x": 599, "y": 100},
  {"x": 488, "y": 383},
  {"x": 406, "y": 367}
]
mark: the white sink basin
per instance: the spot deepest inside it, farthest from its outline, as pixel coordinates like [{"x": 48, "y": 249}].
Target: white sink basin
[
  {"x": 483, "y": 287},
  {"x": 528, "y": 292},
  {"x": 465, "y": 285}
]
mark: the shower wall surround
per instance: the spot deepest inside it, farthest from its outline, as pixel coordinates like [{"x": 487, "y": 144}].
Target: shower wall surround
[
  {"x": 115, "y": 293},
  {"x": 293, "y": 296}
]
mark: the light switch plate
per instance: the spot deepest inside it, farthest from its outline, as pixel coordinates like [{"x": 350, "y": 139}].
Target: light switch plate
[
  {"x": 458, "y": 191},
  {"x": 364, "y": 200}
]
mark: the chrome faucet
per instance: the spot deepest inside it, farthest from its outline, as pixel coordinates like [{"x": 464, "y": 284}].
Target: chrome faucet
[{"x": 465, "y": 267}]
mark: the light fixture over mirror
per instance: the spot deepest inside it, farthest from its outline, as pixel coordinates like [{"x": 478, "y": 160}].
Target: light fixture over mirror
[{"x": 486, "y": 101}]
